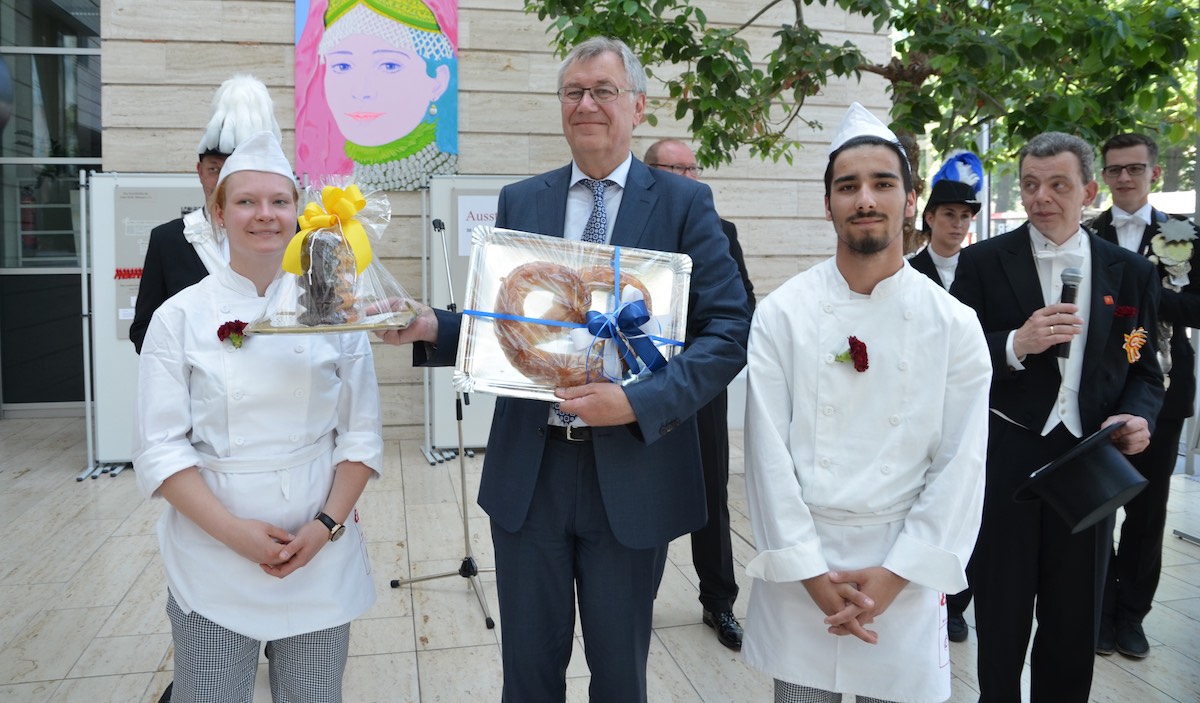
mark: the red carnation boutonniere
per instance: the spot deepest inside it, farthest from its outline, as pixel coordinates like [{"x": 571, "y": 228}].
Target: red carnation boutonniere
[
  {"x": 234, "y": 331},
  {"x": 856, "y": 353},
  {"x": 1125, "y": 311}
]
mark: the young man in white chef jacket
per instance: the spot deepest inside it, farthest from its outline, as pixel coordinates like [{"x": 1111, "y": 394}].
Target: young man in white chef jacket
[{"x": 866, "y": 432}]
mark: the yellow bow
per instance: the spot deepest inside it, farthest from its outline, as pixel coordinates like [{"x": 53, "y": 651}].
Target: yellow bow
[{"x": 340, "y": 208}]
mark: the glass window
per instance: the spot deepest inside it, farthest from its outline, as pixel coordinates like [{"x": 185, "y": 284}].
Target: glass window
[
  {"x": 56, "y": 106},
  {"x": 49, "y": 131},
  {"x": 49, "y": 126},
  {"x": 40, "y": 214},
  {"x": 50, "y": 23}
]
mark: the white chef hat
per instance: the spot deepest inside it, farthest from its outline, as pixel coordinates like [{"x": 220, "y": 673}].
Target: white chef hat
[
  {"x": 241, "y": 107},
  {"x": 859, "y": 122},
  {"x": 259, "y": 152}
]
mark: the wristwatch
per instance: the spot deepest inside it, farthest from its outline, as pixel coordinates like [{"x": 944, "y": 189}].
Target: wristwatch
[{"x": 335, "y": 528}]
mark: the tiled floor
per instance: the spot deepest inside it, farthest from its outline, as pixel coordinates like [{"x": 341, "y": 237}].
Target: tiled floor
[{"x": 82, "y": 594}]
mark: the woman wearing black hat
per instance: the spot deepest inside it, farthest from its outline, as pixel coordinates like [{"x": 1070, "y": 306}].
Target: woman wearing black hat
[{"x": 953, "y": 203}]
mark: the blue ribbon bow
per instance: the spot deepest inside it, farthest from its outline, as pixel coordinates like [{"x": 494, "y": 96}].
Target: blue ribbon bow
[{"x": 624, "y": 327}]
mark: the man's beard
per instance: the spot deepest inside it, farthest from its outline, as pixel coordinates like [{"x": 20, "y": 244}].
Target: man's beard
[{"x": 867, "y": 245}]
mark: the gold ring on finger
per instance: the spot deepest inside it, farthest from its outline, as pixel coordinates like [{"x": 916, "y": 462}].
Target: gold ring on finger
[{"x": 1051, "y": 330}]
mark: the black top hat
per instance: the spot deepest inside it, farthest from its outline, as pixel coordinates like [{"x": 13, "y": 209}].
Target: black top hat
[
  {"x": 1088, "y": 483},
  {"x": 947, "y": 192}
]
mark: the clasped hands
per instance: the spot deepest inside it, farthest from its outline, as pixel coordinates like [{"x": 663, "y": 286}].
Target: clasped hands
[
  {"x": 852, "y": 599},
  {"x": 277, "y": 552}
]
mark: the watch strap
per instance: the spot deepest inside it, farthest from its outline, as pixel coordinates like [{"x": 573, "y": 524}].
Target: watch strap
[{"x": 335, "y": 527}]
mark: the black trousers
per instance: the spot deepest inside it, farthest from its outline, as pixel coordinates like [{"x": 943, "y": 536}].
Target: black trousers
[
  {"x": 1026, "y": 564},
  {"x": 1136, "y": 563},
  {"x": 712, "y": 551}
]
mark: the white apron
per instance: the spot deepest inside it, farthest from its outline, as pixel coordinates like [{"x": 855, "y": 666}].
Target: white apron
[{"x": 784, "y": 627}]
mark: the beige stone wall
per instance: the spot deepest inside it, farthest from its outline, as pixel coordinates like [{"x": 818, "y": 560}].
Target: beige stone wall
[{"x": 162, "y": 60}]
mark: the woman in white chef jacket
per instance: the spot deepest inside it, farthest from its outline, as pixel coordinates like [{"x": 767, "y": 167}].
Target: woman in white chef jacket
[{"x": 261, "y": 451}]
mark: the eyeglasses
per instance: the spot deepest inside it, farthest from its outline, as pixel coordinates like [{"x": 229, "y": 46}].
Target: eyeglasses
[
  {"x": 1114, "y": 171},
  {"x": 600, "y": 94},
  {"x": 680, "y": 169}
]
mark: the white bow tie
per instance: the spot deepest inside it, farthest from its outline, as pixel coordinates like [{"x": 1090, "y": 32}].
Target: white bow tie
[
  {"x": 1120, "y": 221},
  {"x": 1069, "y": 258}
]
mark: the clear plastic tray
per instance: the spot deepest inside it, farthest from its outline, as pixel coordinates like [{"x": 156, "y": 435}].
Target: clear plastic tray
[{"x": 546, "y": 280}]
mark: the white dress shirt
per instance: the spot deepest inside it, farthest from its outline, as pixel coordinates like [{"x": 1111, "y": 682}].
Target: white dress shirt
[
  {"x": 1050, "y": 260},
  {"x": 210, "y": 246},
  {"x": 579, "y": 209},
  {"x": 579, "y": 200},
  {"x": 945, "y": 267},
  {"x": 1132, "y": 227}
]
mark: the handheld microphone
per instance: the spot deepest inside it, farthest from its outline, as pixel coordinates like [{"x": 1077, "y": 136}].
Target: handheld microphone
[{"x": 1071, "y": 278}]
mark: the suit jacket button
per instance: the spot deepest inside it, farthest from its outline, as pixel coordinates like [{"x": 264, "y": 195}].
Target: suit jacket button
[{"x": 541, "y": 432}]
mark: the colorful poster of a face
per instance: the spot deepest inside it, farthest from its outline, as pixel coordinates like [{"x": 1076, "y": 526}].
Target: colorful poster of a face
[{"x": 377, "y": 91}]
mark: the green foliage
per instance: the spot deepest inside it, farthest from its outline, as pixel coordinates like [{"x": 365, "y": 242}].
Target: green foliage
[
  {"x": 1085, "y": 67},
  {"x": 1089, "y": 67}
]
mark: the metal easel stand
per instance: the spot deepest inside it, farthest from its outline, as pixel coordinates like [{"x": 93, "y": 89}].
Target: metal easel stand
[
  {"x": 468, "y": 569},
  {"x": 432, "y": 455}
]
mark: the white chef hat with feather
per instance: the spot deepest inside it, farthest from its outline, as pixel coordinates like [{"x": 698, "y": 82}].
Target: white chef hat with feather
[{"x": 241, "y": 107}]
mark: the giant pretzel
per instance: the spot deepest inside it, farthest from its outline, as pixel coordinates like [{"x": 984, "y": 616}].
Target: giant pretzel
[{"x": 572, "y": 293}]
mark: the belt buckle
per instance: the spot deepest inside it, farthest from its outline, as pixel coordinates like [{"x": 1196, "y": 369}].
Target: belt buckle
[{"x": 571, "y": 438}]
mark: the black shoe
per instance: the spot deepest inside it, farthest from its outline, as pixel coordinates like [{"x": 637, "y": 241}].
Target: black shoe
[
  {"x": 729, "y": 631},
  {"x": 166, "y": 696},
  {"x": 1107, "y": 643},
  {"x": 1131, "y": 640},
  {"x": 956, "y": 627}
]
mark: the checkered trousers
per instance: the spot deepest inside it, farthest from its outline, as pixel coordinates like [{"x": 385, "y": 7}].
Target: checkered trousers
[
  {"x": 216, "y": 665},
  {"x": 794, "y": 693}
]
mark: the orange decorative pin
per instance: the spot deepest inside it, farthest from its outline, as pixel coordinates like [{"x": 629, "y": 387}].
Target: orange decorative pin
[{"x": 1134, "y": 341}]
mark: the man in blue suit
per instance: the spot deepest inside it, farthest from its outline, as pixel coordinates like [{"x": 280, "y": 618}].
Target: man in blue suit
[{"x": 585, "y": 495}]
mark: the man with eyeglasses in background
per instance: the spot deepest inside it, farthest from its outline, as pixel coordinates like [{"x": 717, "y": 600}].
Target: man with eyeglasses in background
[
  {"x": 712, "y": 550},
  {"x": 584, "y": 495},
  {"x": 1130, "y": 171}
]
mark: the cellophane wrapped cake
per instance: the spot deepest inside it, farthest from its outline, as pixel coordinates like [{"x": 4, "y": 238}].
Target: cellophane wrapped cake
[
  {"x": 542, "y": 313},
  {"x": 332, "y": 281}
]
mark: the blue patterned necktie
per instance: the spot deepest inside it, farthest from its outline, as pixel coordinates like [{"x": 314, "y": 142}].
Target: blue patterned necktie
[
  {"x": 565, "y": 418},
  {"x": 596, "y": 229}
]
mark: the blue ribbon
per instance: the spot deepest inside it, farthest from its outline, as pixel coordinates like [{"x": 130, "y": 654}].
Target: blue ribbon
[{"x": 558, "y": 323}]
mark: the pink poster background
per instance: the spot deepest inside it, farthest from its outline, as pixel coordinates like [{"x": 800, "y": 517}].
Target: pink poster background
[{"x": 320, "y": 144}]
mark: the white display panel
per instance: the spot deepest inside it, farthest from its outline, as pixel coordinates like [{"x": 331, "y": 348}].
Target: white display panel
[
  {"x": 123, "y": 208},
  {"x": 460, "y": 203}
]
